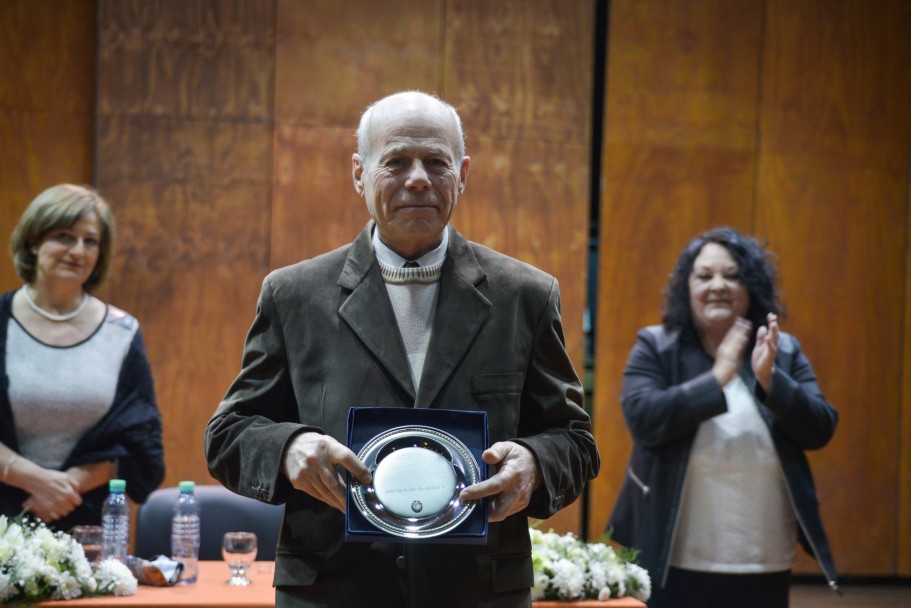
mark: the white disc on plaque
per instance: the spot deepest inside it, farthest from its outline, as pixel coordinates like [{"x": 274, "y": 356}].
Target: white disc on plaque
[{"x": 414, "y": 482}]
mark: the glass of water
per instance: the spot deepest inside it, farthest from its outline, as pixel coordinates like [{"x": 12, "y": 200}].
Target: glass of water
[
  {"x": 238, "y": 549},
  {"x": 90, "y": 539}
]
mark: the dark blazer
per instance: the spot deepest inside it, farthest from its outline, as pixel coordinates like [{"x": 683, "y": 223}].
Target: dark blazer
[
  {"x": 668, "y": 391},
  {"x": 325, "y": 339}
]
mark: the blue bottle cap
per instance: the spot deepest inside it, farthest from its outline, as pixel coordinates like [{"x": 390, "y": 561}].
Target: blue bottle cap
[
  {"x": 117, "y": 485},
  {"x": 187, "y": 486}
]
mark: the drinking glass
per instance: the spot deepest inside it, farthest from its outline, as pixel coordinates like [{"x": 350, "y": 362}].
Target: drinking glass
[
  {"x": 239, "y": 550},
  {"x": 91, "y": 539}
]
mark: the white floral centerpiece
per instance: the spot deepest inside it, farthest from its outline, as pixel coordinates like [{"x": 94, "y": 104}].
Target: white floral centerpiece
[
  {"x": 37, "y": 564},
  {"x": 568, "y": 568}
]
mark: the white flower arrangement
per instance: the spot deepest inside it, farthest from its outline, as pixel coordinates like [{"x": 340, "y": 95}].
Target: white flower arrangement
[
  {"x": 567, "y": 568},
  {"x": 37, "y": 564}
]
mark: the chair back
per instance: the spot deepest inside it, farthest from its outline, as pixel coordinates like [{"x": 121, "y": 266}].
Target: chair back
[{"x": 221, "y": 510}]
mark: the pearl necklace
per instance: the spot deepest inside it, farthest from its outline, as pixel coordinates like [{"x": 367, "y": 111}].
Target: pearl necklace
[{"x": 51, "y": 316}]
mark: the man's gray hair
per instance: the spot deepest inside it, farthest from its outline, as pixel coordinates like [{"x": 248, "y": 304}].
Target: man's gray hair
[{"x": 363, "y": 139}]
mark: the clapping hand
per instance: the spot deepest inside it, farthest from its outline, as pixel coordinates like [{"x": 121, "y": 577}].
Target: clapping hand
[
  {"x": 729, "y": 355},
  {"x": 765, "y": 351}
]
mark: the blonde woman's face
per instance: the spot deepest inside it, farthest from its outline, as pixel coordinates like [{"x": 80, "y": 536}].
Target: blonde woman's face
[{"x": 70, "y": 253}]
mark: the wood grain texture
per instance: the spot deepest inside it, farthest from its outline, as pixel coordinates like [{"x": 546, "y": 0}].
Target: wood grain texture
[
  {"x": 315, "y": 208},
  {"x": 677, "y": 159},
  {"x": 204, "y": 59},
  {"x": 683, "y": 73},
  {"x": 904, "y": 455},
  {"x": 191, "y": 202},
  {"x": 521, "y": 71},
  {"x": 47, "y": 76},
  {"x": 832, "y": 201},
  {"x": 47, "y": 56},
  {"x": 335, "y": 58},
  {"x": 185, "y": 156}
]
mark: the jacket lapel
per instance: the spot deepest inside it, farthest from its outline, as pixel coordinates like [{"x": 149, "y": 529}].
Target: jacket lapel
[
  {"x": 460, "y": 313},
  {"x": 368, "y": 312}
]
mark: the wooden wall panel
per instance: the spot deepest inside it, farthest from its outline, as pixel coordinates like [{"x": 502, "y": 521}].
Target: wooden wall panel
[
  {"x": 204, "y": 59},
  {"x": 335, "y": 58},
  {"x": 185, "y": 157},
  {"x": 521, "y": 71},
  {"x": 832, "y": 201},
  {"x": 47, "y": 80},
  {"x": 904, "y": 454},
  {"x": 521, "y": 74},
  {"x": 332, "y": 60},
  {"x": 677, "y": 159}
]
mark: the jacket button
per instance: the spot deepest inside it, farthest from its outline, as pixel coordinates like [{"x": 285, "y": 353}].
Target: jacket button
[{"x": 400, "y": 562}]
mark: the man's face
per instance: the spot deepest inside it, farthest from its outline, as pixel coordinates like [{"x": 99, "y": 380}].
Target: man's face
[{"x": 412, "y": 179}]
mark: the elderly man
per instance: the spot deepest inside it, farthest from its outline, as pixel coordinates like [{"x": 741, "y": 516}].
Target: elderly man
[{"x": 413, "y": 315}]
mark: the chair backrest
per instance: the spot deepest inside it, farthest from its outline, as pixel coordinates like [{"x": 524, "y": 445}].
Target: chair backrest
[{"x": 221, "y": 510}]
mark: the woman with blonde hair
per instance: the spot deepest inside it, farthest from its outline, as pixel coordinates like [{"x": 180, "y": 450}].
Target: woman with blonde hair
[{"x": 77, "y": 402}]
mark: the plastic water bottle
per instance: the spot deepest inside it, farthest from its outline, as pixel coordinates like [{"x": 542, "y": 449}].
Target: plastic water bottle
[
  {"x": 185, "y": 532},
  {"x": 115, "y": 522}
]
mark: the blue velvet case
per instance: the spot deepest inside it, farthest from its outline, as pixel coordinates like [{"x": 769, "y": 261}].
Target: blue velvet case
[{"x": 470, "y": 427}]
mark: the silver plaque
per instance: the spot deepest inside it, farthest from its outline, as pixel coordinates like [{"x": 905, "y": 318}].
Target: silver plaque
[{"x": 418, "y": 473}]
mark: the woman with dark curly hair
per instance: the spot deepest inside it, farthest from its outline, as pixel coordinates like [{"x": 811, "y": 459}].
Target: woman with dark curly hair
[{"x": 721, "y": 405}]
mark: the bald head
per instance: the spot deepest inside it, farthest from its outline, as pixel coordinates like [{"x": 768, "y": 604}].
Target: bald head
[
  {"x": 410, "y": 169},
  {"x": 402, "y": 104}
]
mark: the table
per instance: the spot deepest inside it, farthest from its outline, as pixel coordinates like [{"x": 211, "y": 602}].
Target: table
[
  {"x": 623, "y": 602},
  {"x": 210, "y": 590}
]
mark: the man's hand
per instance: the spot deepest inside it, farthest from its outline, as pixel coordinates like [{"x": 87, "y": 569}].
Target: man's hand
[
  {"x": 512, "y": 485},
  {"x": 310, "y": 465}
]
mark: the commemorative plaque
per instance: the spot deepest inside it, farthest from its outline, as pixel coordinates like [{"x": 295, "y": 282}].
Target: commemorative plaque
[
  {"x": 419, "y": 459},
  {"x": 418, "y": 472}
]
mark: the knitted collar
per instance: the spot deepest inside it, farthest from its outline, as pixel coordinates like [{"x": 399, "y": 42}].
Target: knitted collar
[
  {"x": 419, "y": 274},
  {"x": 388, "y": 256}
]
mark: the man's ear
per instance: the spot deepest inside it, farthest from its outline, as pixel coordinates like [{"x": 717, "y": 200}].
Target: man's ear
[
  {"x": 357, "y": 173},
  {"x": 463, "y": 174}
]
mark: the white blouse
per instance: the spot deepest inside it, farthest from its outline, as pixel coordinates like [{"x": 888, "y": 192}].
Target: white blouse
[{"x": 735, "y": 514}]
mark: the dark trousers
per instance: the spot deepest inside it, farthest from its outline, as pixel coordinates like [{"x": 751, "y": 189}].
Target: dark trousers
[
  {"x": 388, "y": 575},
  {"x": 691, "y": 589}
]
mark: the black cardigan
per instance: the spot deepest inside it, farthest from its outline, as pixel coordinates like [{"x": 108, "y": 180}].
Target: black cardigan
[{"x": 130, "y": 433}]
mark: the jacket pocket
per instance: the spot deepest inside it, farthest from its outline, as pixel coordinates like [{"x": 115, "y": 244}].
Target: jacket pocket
[
  {"x": 505, "y": 383},
  {"x": 499, "y": 395}
]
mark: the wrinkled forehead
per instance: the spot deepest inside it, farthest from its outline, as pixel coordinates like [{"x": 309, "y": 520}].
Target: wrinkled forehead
[{"x": 419, "y": 122}]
